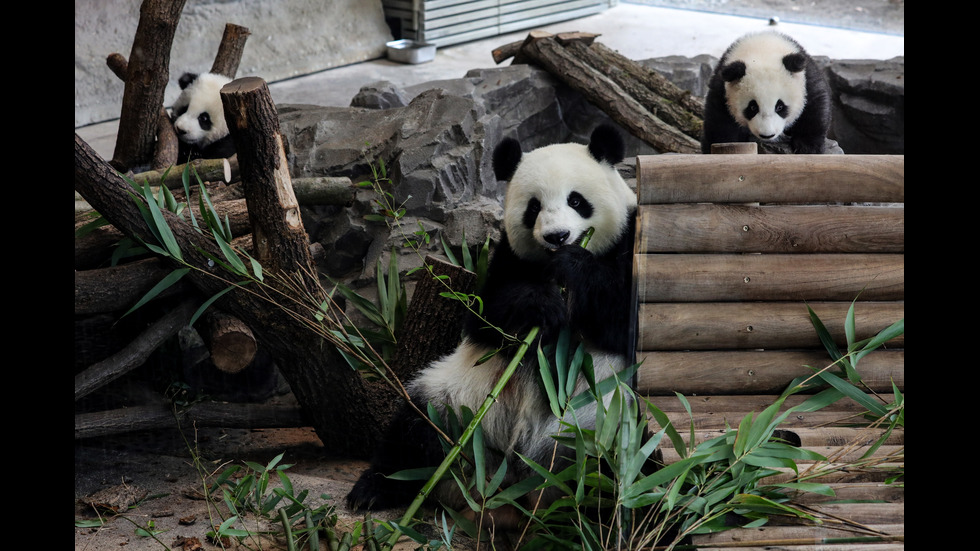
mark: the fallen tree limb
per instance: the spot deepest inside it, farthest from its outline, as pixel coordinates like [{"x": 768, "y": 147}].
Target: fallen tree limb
[
  {"x": 202, "y": 414},
  {"x": 136, "y": 353},
  {"x": 626, "y": 91},
  {"x": 117, "y": 288}
]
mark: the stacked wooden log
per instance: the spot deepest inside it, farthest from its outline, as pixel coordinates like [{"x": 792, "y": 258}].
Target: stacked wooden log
[
  {"x": 641, "y": 100},
  {"x": 731, "y": 252}
]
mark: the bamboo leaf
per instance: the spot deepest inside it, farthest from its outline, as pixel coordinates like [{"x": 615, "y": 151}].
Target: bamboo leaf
[
  {"x": 234, "y": 260},
  {"x": 548, "y": 382},
  {"x": 164, "y": 284},
  {"x": 825, "y": 338},
  {"x": 167, "y": 238},
  {"x": 207, "y": 304}
]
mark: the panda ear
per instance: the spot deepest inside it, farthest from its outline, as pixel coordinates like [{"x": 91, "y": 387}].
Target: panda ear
[
  {"x": 506, "y": 156},
  {"x": 794, "y": 63},
  {"x": 733, "y": 71},
  {"x": 606, "y": 144},
  {"x": 186, "y": 79}
]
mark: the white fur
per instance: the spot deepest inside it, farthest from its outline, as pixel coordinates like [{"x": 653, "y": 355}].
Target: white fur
[
  {"x": 202, "y": 95},
  {"x": 521, "y": 418},
  {"x": 550, "y": 173},
  {"x": 766, "y": 80}
]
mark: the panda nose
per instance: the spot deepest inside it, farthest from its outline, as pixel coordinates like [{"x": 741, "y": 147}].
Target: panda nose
[
  {"x": 558, "y": 238},
  {"x": 767, "y": 136}
]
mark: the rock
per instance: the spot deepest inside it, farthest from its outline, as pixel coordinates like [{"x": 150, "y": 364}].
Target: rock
[{"x": 869, "y": 105}]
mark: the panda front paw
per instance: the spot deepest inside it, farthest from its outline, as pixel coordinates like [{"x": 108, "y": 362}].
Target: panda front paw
[
  {"x": 374, "y": 491},
  {"x": 570, "y": 262}
]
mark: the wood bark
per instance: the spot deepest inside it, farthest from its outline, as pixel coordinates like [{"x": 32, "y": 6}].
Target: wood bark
[
  {"x": 713, "y": 228},
  {"x": 165, "y": 153},
  {"x": 336, "y": 399},
  {"x": 230, "y": 50},
  {"x": 147, "y": 74},
  {"x": 433, "y": 324},
  {"x": 652, "y": 80},
  {"x": 771, "y": 178},
  {"x": 757, "y": 325},
  {"x": 611, "y": 84},
  {"x": 203, "y": 414},
  {"x": 663, "y": 100},
  {"x": 117, "y": 288},
  {"x": 713, "y": 277},
  {"x": 230, "y": 341},
  {"x": 713, "y": 372}
]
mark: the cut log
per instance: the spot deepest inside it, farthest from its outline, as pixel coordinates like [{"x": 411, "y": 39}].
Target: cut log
[
  {"x": 230, "y": 50},
  {"x": 208, "y": 170},
  {"x": 230, "y": 341},
  {"x": 324, "y": 190},
  {"x": 635, "y": 81}
]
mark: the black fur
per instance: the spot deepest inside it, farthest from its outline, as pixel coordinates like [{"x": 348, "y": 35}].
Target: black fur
[
  {"x": 221, "y": 149},
  {"x": 506, "y": 156},
  {"x": 606, "y": 144},
  {"x": 807, "y": 134}
]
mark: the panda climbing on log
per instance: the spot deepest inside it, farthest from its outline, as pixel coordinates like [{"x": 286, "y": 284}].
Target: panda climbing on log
[
  {"x": 766, "y": 88},
  {"x": 199, "y": 118},
  {"x": 541, "y": 276}
]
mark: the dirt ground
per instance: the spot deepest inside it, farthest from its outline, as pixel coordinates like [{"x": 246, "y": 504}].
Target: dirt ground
[{"x": 159, "y": 465}]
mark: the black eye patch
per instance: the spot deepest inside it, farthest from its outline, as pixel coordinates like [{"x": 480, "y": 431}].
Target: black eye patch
[
  {"x": 581, "y": 205},
  {"x": 204, "y": 119},
  {"x": 782, "y": 109},
  {"x": 751, "y": 110},
  {"x": 531, "y": 212}
]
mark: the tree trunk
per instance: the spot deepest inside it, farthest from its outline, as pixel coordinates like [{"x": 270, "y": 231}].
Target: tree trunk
[
  {"x": 433, "y": 323},
  {"x": 230, "y": 50},
  {"x": 146, "y": 81}
]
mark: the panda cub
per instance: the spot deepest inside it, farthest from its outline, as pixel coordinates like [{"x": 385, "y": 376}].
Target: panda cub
[
  {"x": 766, "y": 87},
  {"x": 539, "y": 275},
  {"x": 199, "y": 118}
]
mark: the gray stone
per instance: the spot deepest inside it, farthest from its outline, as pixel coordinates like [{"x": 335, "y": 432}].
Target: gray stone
[
  {"x": 380, "y": 95},
  {"x": 869, "y": 105}
]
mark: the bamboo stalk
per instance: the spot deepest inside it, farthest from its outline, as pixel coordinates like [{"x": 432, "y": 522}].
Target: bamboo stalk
[{"x": 465, "y": 437}]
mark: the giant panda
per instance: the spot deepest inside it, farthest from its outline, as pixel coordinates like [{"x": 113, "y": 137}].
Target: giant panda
[
  {"x": 539, "y": 275},
  {"x": 199, "y": 118},
  {"x": 766, "y": 88}
]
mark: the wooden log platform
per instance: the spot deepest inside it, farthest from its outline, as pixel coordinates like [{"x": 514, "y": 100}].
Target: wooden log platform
[{"x": 730, "y": 250}]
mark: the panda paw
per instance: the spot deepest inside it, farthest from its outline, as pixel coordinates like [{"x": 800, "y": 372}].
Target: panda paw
[
  {"x": 569, "y": 262},
  {"x": 373, "y": 491}
]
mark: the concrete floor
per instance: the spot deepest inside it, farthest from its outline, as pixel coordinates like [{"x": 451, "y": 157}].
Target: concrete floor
[{"x": 637, "y": 31}]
